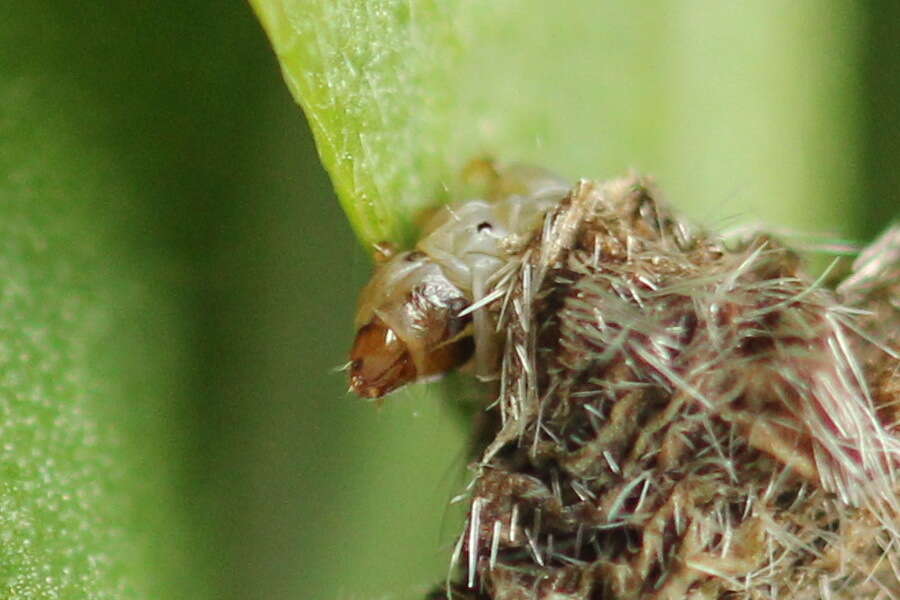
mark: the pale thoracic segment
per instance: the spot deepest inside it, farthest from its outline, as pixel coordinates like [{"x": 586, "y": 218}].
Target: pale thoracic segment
[{"x": 423, "y": 312}]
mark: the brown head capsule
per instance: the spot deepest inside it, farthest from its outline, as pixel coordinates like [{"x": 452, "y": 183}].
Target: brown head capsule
[
  {"x": 409, "y": 326},
  {"x": 415, "y": 318}
]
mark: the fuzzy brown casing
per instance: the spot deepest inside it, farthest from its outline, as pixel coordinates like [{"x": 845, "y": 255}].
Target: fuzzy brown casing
[{"x": 680, "y": 417}]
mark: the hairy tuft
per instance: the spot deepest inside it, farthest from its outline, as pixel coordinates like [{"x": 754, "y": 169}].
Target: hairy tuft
[{"x": 681, "y": 417}]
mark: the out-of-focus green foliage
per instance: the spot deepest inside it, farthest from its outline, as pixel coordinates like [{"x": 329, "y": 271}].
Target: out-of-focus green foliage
[
  {"x": 81, "y": 388},
  {"x": 112, "y": 152},
  {"x": 94, "y": 350},
  {"x": 177, "y": 283},
  {"x": 880, "y": 117}
]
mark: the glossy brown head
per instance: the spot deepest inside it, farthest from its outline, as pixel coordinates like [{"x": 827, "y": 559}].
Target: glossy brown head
[
  {"x": 409, "y": 326},
  {"x": 379, "y": 361}
]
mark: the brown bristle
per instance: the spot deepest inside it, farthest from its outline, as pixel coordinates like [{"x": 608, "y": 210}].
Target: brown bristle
[{"x": 682, "y": 418}]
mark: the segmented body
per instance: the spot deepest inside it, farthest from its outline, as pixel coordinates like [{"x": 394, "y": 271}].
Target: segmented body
[{"x": 414, "y": 318}]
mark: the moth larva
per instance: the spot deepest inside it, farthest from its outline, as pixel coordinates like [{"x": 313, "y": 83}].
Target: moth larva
[{"x": 412, "y": 321}]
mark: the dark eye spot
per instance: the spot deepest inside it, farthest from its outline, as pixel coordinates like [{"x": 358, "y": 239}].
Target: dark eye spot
[
  {"x": 355, "y": 365},
  {"x": 414, "y": 256},
  {"x": 484, "y": 226},
  {"x": 457, "y": 305}
]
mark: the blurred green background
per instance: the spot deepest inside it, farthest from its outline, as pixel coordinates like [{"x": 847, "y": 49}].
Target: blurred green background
[{"x": 177, "y": 279}]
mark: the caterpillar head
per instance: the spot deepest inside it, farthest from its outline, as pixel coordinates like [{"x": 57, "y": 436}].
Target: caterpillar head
[{"x": 408, "y": 325}]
